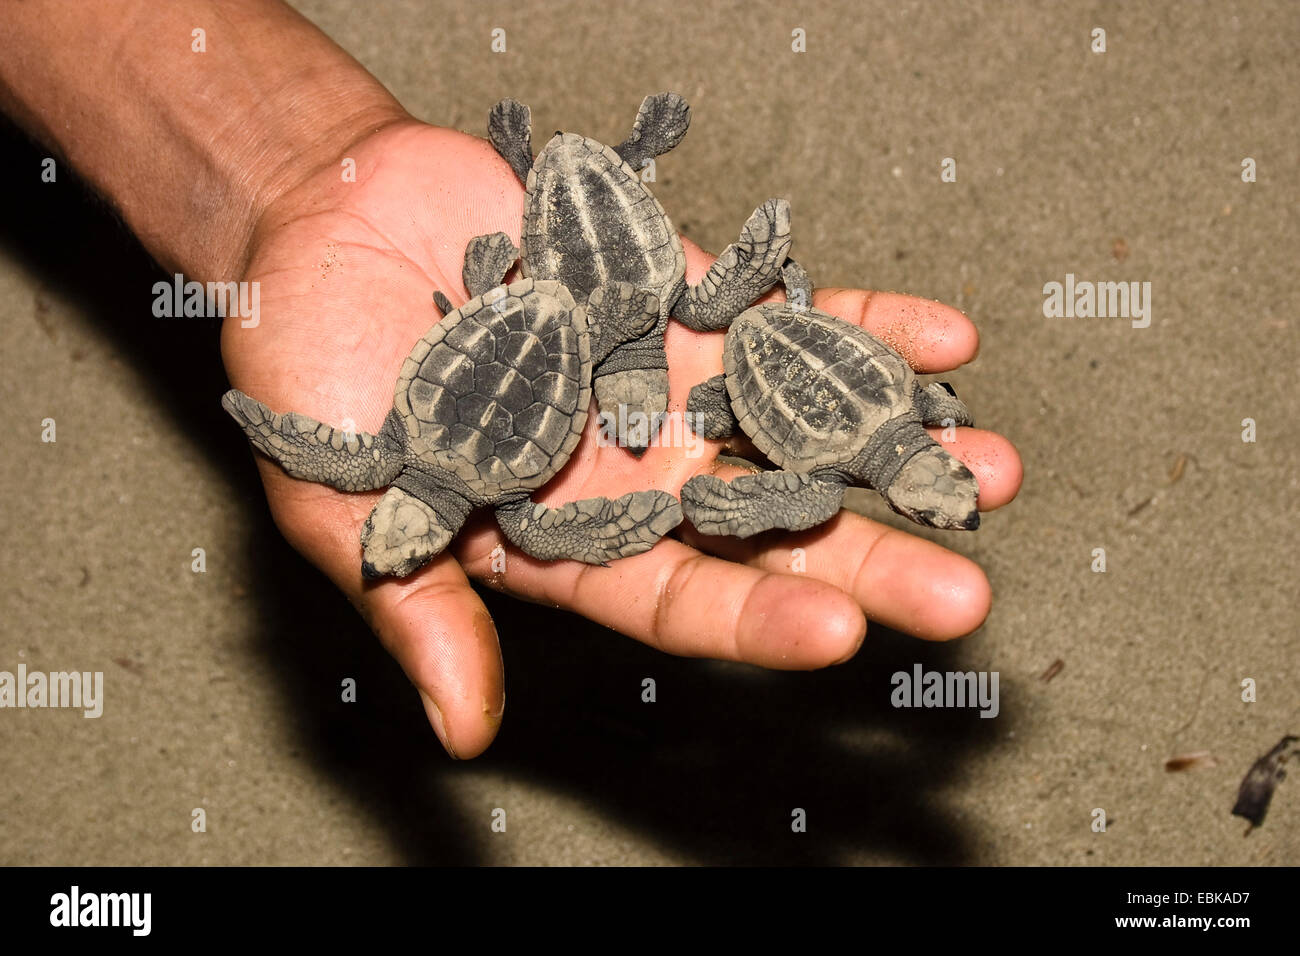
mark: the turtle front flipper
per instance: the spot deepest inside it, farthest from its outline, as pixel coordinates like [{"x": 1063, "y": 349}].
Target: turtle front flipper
[
  {"x": 661, "y": 122},
  {"x": 937, "y": 404},
  {"x": 746, "y": 269},
  {"x": 710, "y": 406},
  {"x": 306, "y": 449},
  {"x": 510, "y": 130},
  {"x": 593, "y": 530},
  {"x": 750, "y": 504},
  {"x": 487, "y": 260}
]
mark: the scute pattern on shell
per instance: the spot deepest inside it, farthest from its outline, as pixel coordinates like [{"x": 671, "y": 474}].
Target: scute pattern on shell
[
  {"x": 590, "y": 220},
  {"x": 809, "y": 388},
  {"x": 497, "y": 392}
]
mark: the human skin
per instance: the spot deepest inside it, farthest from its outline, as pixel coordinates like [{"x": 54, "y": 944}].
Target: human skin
[{"x": 229, "y": 167}]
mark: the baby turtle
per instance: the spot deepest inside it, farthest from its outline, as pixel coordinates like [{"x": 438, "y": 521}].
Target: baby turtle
[
  {"x": 488, "y": 407},
  {"x": 590, "y": 220},
  {"x": 832, "y": 406}
]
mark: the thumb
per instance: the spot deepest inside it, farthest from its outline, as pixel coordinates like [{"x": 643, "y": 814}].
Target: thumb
[
  {"x": 440, "y": 632},
  {"x": 432, "y": 622}
]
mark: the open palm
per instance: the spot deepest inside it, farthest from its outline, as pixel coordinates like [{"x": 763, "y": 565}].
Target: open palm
[{"x": 347, "y": 270}]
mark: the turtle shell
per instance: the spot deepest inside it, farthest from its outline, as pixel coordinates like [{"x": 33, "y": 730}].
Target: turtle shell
[
  {"x": 588, "y": 220},
  {"x": 808, "y": 388},
  {"x": 497, "y": 392}
]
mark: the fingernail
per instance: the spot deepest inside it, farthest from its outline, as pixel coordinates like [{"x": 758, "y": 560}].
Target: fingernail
[
  {"x": 853, "y": 653},
  {"x": 439, "y": 727},
  {"x": 494, "y": 700}
]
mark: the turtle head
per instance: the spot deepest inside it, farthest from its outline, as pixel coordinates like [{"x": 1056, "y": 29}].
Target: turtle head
[
  {"x": 403, "y": 533},
  {"x": 633, "y": 403},
  {"x": 934, "y": 488}
]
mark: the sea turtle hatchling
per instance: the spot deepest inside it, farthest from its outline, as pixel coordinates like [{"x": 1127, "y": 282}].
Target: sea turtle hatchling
[
  {"x": 832, "y": 406},
  {"x": 488, "y": 407},
  {"x": 589, "y": 219}
]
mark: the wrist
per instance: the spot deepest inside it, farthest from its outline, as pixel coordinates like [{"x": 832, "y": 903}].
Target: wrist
[
  {"x": 190, "y": 117},
  {"x": 266, "y": 157}
]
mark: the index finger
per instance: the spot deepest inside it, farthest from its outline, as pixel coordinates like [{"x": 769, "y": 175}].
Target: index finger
[
  {"x": 682, "y": 602},
  {"x": 931, "y": 336}
]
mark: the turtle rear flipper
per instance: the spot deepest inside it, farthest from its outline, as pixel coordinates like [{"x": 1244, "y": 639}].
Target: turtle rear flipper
[
  {"x": 487, "y": 260},
  {"x": 619, "y": 312},
  {"x": 629, "y": 373},
  {"x": 746, "y": 269},
  {"x": 798, "y": 285},
  {"x": 443, "y": 303},
  {"x": 661, "y": 122},
  {"x": 750, "y": 504},
  {"x": 938, "y": 404},
  {"x": 510, "y": 130},
  {"x": 306, "y": 449},
  {"x": 593, "y": 530},
  {"x": 711, "y": 406}
]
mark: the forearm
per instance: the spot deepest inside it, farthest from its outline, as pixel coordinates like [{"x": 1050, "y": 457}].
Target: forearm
[{"x": 190, "y": 147}]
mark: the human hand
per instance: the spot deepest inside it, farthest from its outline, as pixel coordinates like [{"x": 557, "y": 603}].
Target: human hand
[{"x": 346, "y": 273}]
